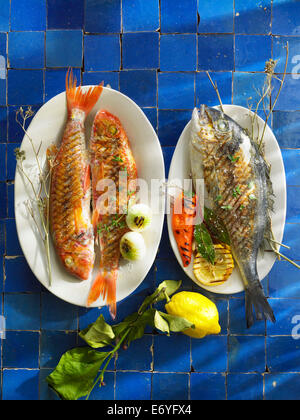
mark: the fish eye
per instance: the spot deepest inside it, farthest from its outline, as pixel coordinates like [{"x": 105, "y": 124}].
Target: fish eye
[{"x": 223, "y": 126}]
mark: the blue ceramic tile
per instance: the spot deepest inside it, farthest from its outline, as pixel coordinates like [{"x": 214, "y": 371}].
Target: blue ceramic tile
[
  {"x": 64, "y": 48},
  {"x": 101, "y": 52},
  {"x": 244, "y": 88},
  {"x": 65, "y": 14},
  {"x": 151, "y": 114},
  {"x": 279, "y": 286},
  {"x": 244, "y": 387},
  {"x": 57, "y": 314},
  {"x": 240, "y": 359},
  {"x": 252, "y": 52},
  {"x": 3, "y": 202},
  {"x": 19, "y": 277},
  {"x": 12, "y": 242},
  {"x": 26, "y": 50},
  {"x": 103, "y": 16},
  {"x": 45, "y": 392},
  {"x": 291, "y": 238},
  {"x": 164, "y": 250},
  {"x": 142, "y": 359},
  {"x": 215, "y": 19},
  {"x": 286, "y": 128},
  {"x": 1, "y": 278},
  {"x": 178, "y": 53},
  {"x": 208, "y": 386},
  {"x": 25, "y": 87},
  {"x": 22, "y": 311},
  {"x": 215, "y": 52},
  {"x": 148, "y": 42},
  {"x": 179, "y": 16},
  {"x": 88, "y": 316},
  {"x": 2, "y": 237},
  {"x": 170, "y": 386},
  {"x": 237, "y": 320},
  {"x": 283, "y": 354},
  {"x": 133, "y": 386},
  {"x": 253, "y": 17},
  {"x": 106, "y": 392},
  {"x": 180, "y": 98},
  {"x": 94, "y": 78},
  {"x": 285, "y": 17},
  {"x": 15, "y": 132},
  {"x": 168, "y": 154},
  {"x": 222, "y": 306},
  {"x": 181, "y": 356},
  {"x": 171, "y": 125},
  {"x": 53, "y": 345},
  {"x": 28, "y": 15},
  {"x": 129, "y": 305},
  {"x": 210, "y": 354},
  {"x": 286, "y": 312},
  {"x": 139, "y": 15},
  {"x": 3, "y": 162},
  {"x": 291, "y": 159},
  {"x": 205, "y": 93},
  {"x": 172, "y": 270},
  {"x": 140, "y": 86},
  {"x": 21, "y": 350},
  {"x": 4, "y": 15},
  {"x": 3, "y": 66},
  {"x": 279, "y": 53},
  {"x": 282, "y": 386},
  {"x": 288, "y": 99},
  {"x": 20, "y": 385},
  {"x": 293, "y": 204},
  {"x": 55, "y": 81},
  {"x": 3, "y": 125}
]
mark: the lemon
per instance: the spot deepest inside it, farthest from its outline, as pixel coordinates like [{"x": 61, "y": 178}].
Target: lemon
[{"x": 197, "y": 309}]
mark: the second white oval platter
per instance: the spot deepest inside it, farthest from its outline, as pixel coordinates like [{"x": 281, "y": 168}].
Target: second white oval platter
[
  {"x": 180, "y": 169},
  {"x": 46, "y": 128}
]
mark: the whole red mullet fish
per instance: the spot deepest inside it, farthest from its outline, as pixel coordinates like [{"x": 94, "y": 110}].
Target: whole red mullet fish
[
  {"x": 113, "y": 162},
  {"x": 70, "y": 191}
]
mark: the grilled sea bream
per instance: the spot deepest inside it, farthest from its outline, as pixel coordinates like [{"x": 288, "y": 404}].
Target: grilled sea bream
[{"x": 236, "y": 179}]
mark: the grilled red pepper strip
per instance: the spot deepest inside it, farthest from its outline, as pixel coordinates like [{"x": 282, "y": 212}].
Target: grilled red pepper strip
[{"x": 183, "y": 214}]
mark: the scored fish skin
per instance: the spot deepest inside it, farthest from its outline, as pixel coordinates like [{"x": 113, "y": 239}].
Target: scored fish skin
[
  {"x": 111, "y": 158},
  {"x": 234, "y": 173},
  {"x": 70, "y": 190}
]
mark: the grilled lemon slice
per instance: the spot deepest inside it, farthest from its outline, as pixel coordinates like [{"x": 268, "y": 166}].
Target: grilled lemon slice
[{"x": 217, "y": 273}]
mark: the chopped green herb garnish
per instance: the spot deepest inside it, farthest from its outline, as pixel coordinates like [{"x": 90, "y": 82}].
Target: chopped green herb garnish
[
  {"x": 236, "y": 191},
  {"x": 233, "y": 159},
  {"x": 252, "y": 197},
  {"x": 251, "y": 185},
  {"x": 118, "y": 159},
  {"x": 226, "y": 207},
  {"x": 218, "y": 198},
  {"x": 242, "y": 207}
]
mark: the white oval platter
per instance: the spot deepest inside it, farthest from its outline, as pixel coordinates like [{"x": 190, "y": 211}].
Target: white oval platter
[
  {"x": 46, "y": 128},
  {"x": 180, "y": 169}
]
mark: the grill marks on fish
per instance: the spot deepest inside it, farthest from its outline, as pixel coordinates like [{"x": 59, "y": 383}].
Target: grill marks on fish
[{"x": 71, "y": 226}]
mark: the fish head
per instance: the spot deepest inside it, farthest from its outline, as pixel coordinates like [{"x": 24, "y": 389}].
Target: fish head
[
  {"x": 210, "y": 126},
  {"x": 107, "y": 125},
  {"x": 79, "y": 265}
]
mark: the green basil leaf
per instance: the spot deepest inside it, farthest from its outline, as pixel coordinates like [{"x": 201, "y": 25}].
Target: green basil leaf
[
  {"x": 204, "y": 243},
  {"x": 176, "y": 323},
  {"x": 216, "y": 226},
  {"x": 99, "y": 334},
  {"x": 160, "y": 323},
  {"x": 75, "y": 373}
]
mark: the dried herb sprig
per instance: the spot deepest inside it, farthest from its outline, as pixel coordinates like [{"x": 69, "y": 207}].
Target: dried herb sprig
[{"x": 41, "y": 192}]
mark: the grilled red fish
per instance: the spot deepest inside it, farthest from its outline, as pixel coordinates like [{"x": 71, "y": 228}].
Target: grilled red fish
[
  {"x": 112, "y": 163},
  {"x": 70, "y": 192}
]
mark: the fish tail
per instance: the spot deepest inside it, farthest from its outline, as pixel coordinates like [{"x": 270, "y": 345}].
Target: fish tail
[
  {"x": 254, "y": 297},
  {"x": 105, "y": 285},
  {"x": 76, "y": 98}
]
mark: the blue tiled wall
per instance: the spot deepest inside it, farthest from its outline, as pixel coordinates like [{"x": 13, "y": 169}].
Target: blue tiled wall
[{"x": 177, "y": 41}]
